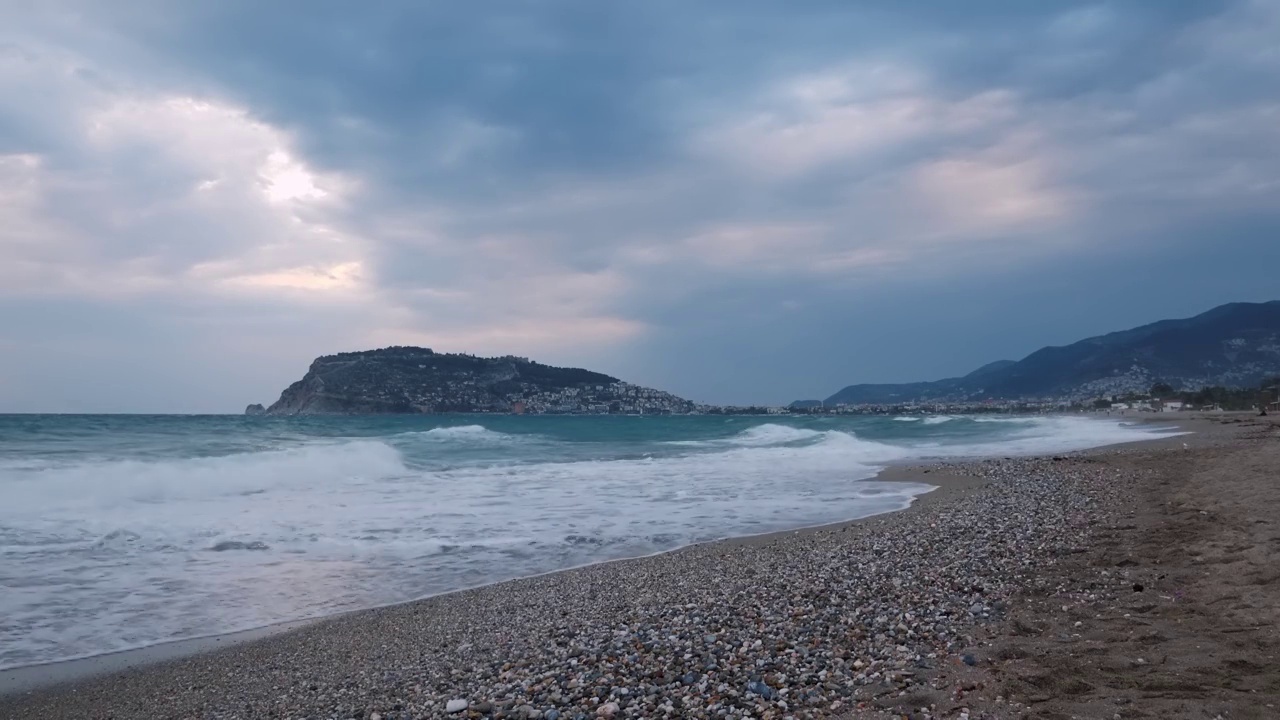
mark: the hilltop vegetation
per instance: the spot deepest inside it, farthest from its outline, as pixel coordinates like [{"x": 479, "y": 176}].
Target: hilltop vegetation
[{"x": 419, "y": 380}]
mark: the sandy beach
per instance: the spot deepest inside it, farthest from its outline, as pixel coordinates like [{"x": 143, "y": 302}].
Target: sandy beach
[{"x": 1135, "y": 581}]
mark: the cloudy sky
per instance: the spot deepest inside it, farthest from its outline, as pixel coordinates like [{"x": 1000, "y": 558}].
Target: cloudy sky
[{"x": 735, "y": 200}]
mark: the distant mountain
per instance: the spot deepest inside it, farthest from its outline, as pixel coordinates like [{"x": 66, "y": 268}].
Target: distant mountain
[
  {"x": 404, "y": 380},
  {"x": 1236, "y": 345}
]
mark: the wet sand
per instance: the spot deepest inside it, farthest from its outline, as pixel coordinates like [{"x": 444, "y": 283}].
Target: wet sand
[{"x": 1171, "y": 612}]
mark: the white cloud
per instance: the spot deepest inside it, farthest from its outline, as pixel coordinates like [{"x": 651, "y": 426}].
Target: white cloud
[
  {"x": 770, "y": 247},
  {"x": 544, "y": 337},
  {"x": 162, "y": 186},
  {"x": 343, "y": 276},
  {"x": 1006, "y": 188},
  {"x": 846, "y": 116},
  {"x": 286, "y": 179}
]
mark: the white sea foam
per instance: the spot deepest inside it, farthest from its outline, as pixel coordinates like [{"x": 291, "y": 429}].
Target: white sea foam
[
  {"x": 334, "y": 525},
  {"x": 938, "y": 419},
  {"x": 464, "y": 433},
  {"x": 767, "y": 435},
  {"x": 773, "y": 434},
  {"x": 1051, "y": 434},
  {"x": 328, "y": 527},
  {"x": 130, "y": 484},
  {"x": 907, "y": 418}
]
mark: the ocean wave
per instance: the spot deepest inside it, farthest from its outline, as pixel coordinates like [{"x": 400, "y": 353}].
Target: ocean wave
[
  {"x": 907, "y": 418},
  {"x": 461, "y": 435},
  {"x": 773, "y": 434},
  {"x": 799, "y": 446},
  {"x": 107, "y": 485},
  {"x": 938, "y": 419},
  {"x": 852, "y": 448},
  {"x": 226, "y": 545},
  {"x": 350, "y": 524},
  {"x": 1049, "y": 434},
  {"x": 471, "y": 433},
  {"x": 766, "y": 435}
]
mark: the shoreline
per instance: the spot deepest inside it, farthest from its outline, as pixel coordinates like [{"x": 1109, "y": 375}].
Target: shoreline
[
  {"x": 65, "y": 677},
  {"x": 20, "y": 677},
  {"x": 55, "y": 673}
]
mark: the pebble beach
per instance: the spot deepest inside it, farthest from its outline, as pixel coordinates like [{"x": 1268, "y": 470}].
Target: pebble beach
[{"x": 883, "y": 617}]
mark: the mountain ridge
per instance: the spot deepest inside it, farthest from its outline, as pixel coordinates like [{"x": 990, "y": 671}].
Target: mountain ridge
[{"x": 1232, "y": 345}]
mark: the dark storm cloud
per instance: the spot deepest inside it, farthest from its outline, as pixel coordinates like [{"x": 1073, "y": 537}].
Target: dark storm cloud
[
  {"x": 813, "y": 193},
  {"x": 606, "y": 87}
]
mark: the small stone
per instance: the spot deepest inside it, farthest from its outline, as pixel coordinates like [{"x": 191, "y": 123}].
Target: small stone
[
  {"x": 969, "y": 660},
  {"x": 456, "y": 705},
  {"x": 607, "y": 710}
]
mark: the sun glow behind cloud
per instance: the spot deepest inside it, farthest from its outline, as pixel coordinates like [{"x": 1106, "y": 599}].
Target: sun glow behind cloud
[{"x": 287, "y": 179}]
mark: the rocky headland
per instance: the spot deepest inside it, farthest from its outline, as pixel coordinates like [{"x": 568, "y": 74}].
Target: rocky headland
[{"x": 408, "y": 380}]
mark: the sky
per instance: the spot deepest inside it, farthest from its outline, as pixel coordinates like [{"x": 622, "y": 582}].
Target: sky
[{"x": 734, "y": 200}]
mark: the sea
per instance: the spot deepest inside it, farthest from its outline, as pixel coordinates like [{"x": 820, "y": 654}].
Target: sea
[{"x": 123, "y": 531}]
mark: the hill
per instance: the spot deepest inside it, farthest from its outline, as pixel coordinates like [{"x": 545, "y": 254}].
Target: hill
[
  {"x": 403, "y": 380},
  {"x": 1235, "y": 345}
]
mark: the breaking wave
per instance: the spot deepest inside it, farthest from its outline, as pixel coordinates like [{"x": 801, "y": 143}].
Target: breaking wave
[
  {"x": 243, "y": 540},
  {"x": 464, "y": 433},
  {"x": 771, "y": 434},
  {"x": 108, "y": 485}
]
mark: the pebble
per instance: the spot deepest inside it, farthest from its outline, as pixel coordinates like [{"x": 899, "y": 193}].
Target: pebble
[
  {"x": 798, "y": 626},
  {"x": 760, "y": 689}
]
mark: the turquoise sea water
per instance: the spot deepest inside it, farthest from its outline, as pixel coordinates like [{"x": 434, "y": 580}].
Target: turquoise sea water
[{"x": 124, "y": 531}]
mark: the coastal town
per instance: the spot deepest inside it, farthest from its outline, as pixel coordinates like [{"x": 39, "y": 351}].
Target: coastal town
[
  {"x": 613, "y": 398},
  {"x": 627, "y": 399}
]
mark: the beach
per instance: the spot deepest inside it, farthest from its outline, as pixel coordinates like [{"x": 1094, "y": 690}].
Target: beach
[{"x": 1137, "y": 581}]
